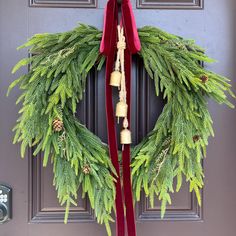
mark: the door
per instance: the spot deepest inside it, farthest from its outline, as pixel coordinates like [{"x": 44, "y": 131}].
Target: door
[{"x": 35, "y": 208}]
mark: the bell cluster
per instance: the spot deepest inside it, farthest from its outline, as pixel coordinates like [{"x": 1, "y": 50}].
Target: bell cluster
[{"x": 117, "y": 80}]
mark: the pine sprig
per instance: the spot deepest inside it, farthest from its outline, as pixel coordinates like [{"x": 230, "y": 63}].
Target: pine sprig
[
  {"x": 51, "y": 90},
  {"x": 176, "y": 145},
  {"x": 81, "y": 148}
]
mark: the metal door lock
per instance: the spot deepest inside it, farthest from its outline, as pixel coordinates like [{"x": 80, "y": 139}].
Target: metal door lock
[{"x": 5, "y": 203}]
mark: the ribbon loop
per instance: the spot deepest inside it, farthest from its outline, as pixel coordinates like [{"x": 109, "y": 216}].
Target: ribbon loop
[{"x": 131, "y": 31}]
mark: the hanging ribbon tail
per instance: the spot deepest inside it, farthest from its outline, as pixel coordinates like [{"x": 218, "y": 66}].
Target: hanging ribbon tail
[
  {"x": 108, "y": 48},
  {"x": 133, "y": 46},
  {"x": 130, "y": 216}
]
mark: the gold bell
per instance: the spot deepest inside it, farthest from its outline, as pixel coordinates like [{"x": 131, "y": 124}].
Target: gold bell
[
  {"x": 125, "y": 136},
  {"x": 115, "y": 78},
  {"x": 121, "y": 109}
]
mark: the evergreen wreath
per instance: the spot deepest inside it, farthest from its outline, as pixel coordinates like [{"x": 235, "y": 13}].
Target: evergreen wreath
[{"x": 54, "y": 85}]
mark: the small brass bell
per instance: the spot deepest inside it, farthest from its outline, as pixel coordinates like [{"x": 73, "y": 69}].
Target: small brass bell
[
  {"x": 125, "y": 136},
  {"x": 121, "y": 109},
  {"x": 115, "y": 78}
]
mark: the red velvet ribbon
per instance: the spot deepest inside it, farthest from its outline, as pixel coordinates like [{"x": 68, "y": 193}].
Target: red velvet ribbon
[{"x": 108, "y": 48}]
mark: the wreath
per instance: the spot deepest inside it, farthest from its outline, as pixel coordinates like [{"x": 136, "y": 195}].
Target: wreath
[{"x": 54, "y": 85}]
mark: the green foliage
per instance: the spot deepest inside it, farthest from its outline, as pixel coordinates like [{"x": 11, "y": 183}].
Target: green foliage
[
  {"x": 51, "y": 89},
  {"x": 174, "y": 147},
  {"x": 78, "y": 147}
]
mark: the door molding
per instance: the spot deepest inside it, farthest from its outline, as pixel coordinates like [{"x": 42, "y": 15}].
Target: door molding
[
  {"x": 144, "y": 124},
  {"x": 175, "y": 4},
  {"x": 36, "y": 212},
  {"x": 63, "y": 3},
  {"x": 146, "y": 213}
]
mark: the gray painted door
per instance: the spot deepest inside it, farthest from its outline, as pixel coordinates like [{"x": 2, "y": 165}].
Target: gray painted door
[{"x": 34, "y": 198}]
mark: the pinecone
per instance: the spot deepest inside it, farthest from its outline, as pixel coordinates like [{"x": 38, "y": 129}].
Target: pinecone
[
  {"x": 86, "y": 169},
  {"x": 57, "y": 125},
  {"x": 196, "y": 138},
  {"x": 204, "y": 78}
]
